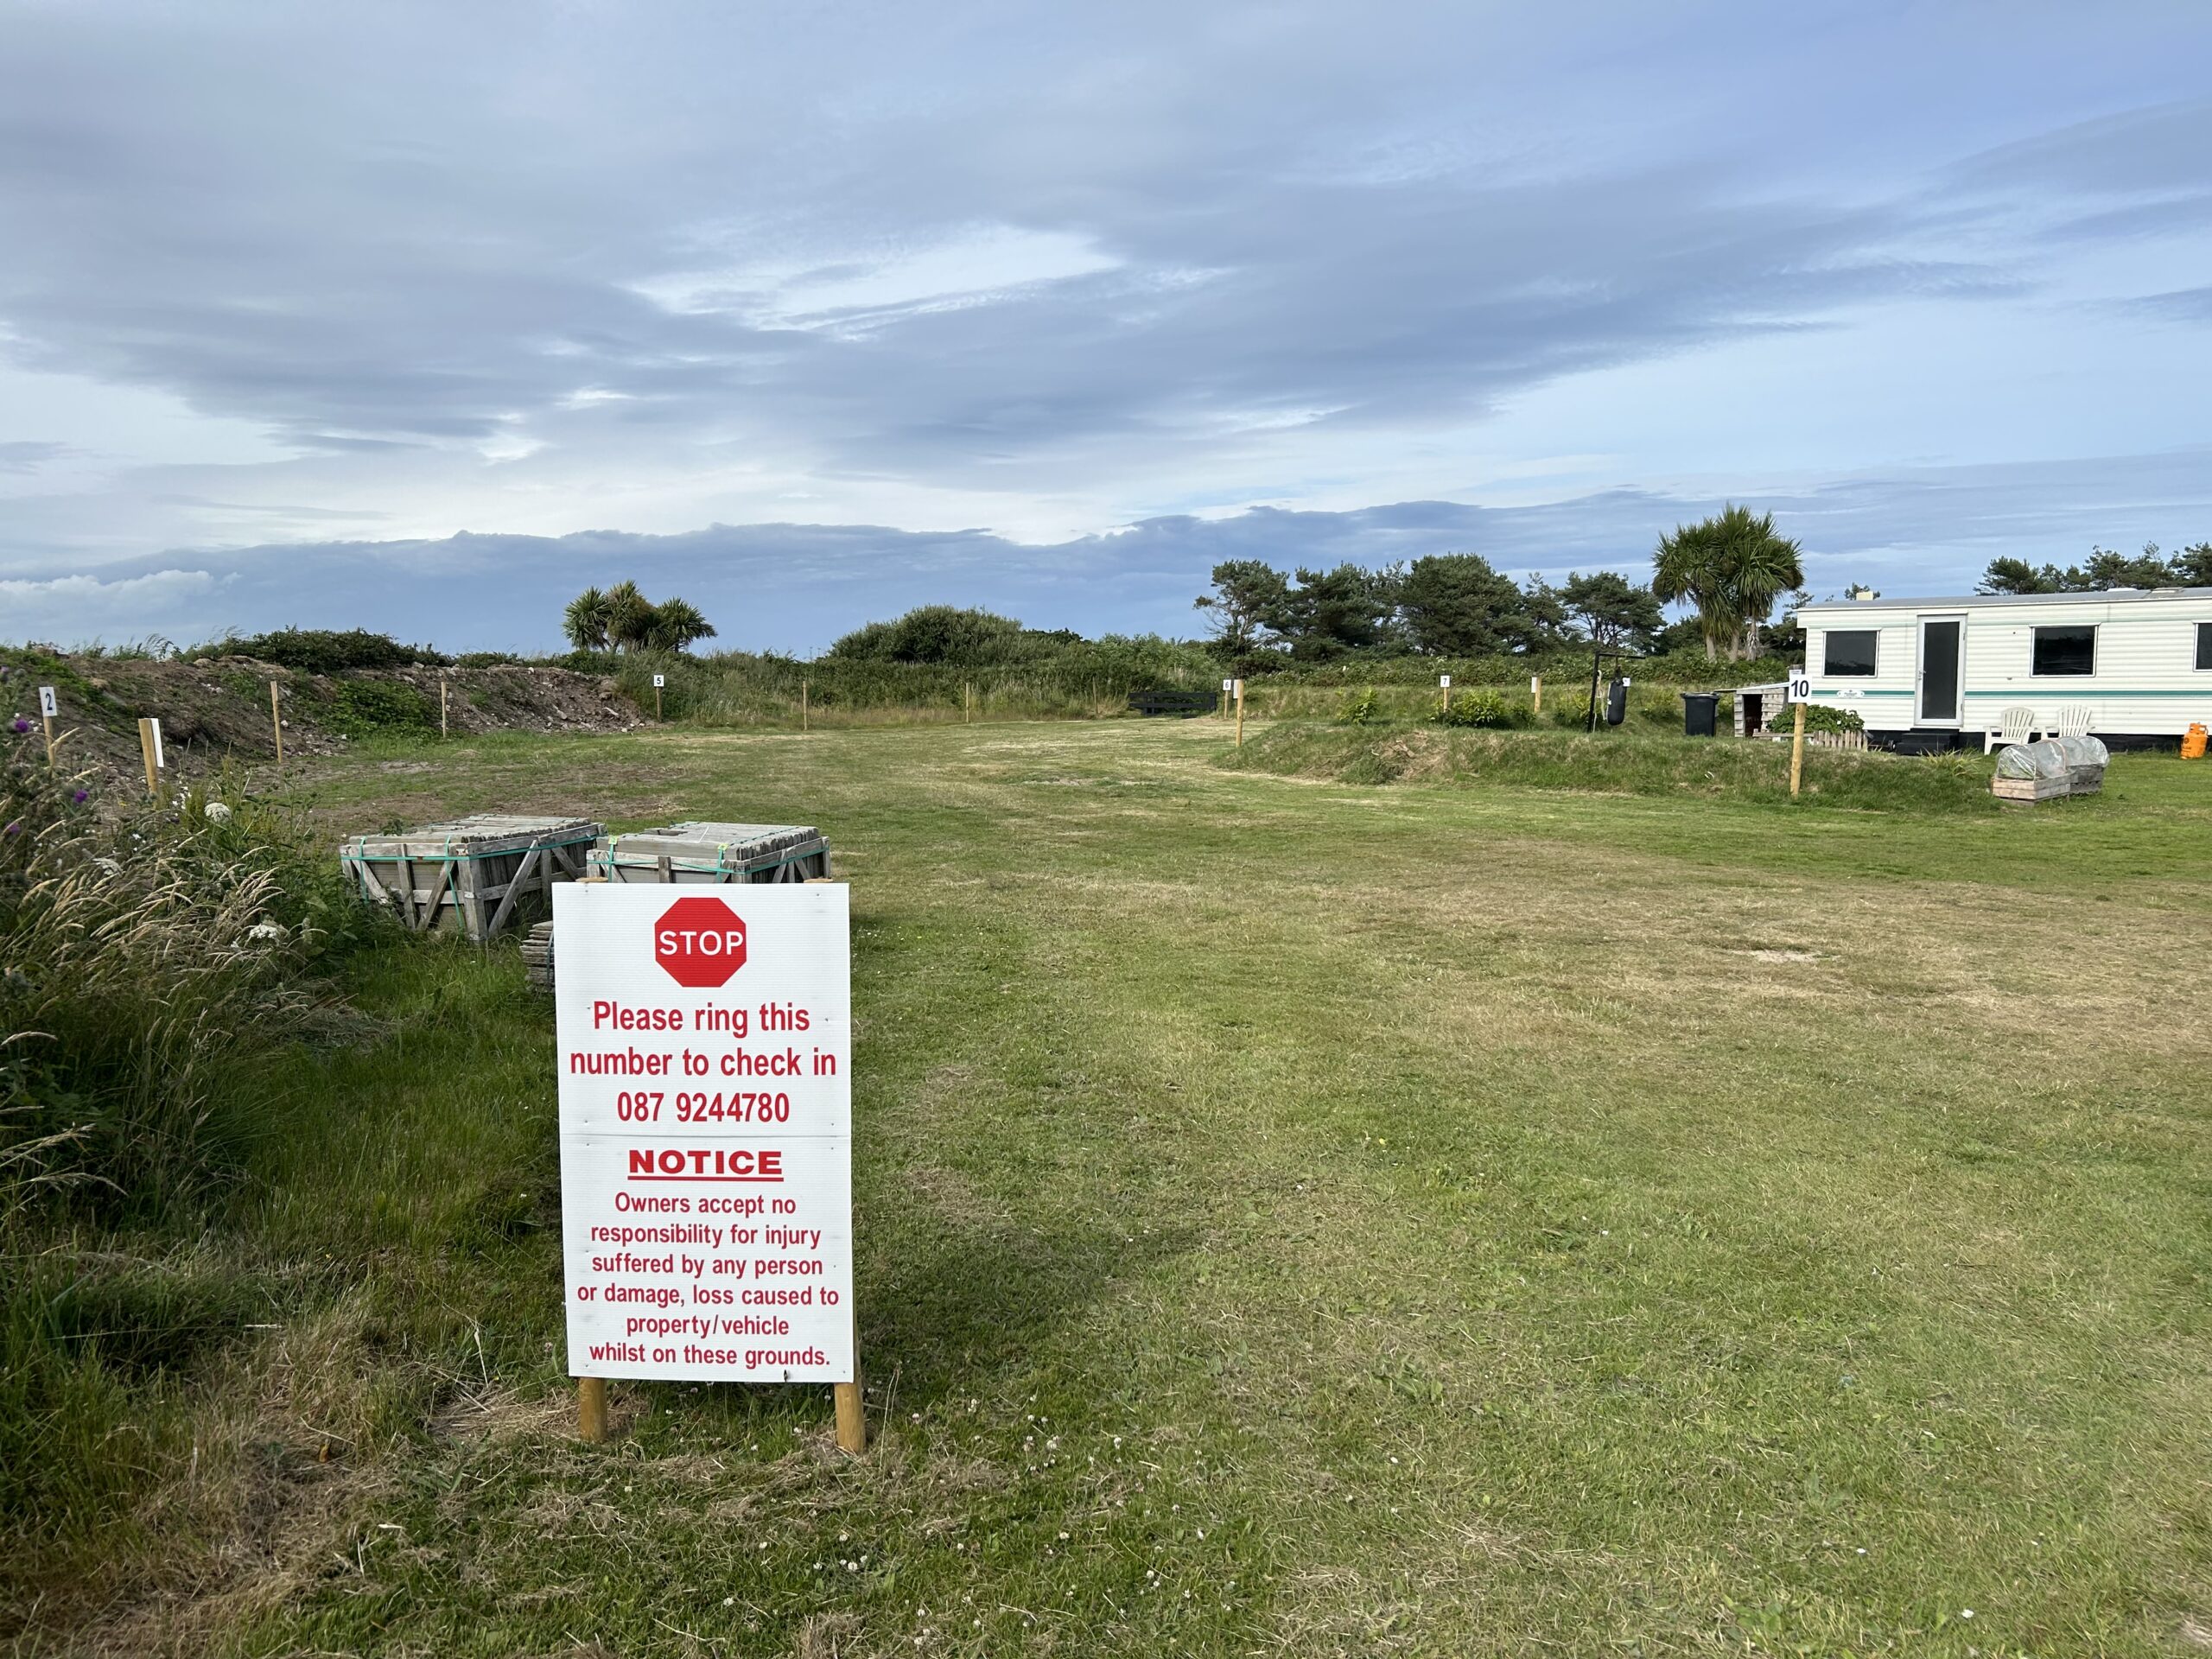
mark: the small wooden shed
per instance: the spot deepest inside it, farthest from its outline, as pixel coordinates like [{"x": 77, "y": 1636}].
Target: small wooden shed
[{"x": 1756, "y": 705}]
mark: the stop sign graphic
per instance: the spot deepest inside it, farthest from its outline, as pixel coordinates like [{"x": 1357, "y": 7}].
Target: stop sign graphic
[{"x": 701, "y": 942}]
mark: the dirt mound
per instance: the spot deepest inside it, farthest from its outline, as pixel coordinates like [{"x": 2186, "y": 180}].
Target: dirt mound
[{"x": 218, "y": 708}]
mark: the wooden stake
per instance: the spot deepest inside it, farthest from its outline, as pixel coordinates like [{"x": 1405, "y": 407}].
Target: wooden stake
[
  {"x": 802, "y": 705},
  {"x": 444, "y": 729},
  {"x": 276, "y": 721},
  {"x": 591, "y": 1408},
  {"x": 1797, "y": 749},
  {"x": 852, "y": 1411},
  {"x": 1240, "y": 713},
  {"x": 148, "y": 737},
  {"x": 1535, "y": 694},
  {"x": 656, "y": 702},
  {"x": 967, "y": 701},
  {"x": 1447, "y": 697},
  {"x": 48, "y": 721}
]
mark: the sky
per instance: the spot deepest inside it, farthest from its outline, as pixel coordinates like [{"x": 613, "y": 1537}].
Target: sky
[{"x": 422, "y": 318}]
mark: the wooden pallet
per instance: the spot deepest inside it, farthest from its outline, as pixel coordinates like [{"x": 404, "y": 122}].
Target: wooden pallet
[
  {"x": 538, "y": 957},
  {"x": 476, "y": 875},
  {"x": 2026, "y": 791},
  {"x": 697, "y": 852}
]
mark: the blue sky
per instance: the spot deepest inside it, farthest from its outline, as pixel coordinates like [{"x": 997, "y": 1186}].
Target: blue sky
[{"x": 424, "y": 317}]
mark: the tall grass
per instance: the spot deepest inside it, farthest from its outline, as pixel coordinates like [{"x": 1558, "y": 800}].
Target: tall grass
[
  {"x": 1092, "y": 679},
  {"x": 1616, "y": 762},
  {"x": 149, "y": 962},
  {"x": 1081, "y": 680}
]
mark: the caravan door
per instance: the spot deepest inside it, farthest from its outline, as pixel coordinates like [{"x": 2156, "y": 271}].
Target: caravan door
[{"x": 1942, "y": 668}]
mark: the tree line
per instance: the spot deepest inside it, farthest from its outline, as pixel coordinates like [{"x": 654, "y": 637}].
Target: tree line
[
  {"x": 1730, "y": 568},
  {"x": 2104, "y": 569}
]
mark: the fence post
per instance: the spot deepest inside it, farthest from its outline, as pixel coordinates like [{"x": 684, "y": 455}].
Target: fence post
[{"x": 276, "y": 721}]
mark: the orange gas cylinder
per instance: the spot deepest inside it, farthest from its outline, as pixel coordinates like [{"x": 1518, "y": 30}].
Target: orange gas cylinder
[{"x": 2192, "y": 742}]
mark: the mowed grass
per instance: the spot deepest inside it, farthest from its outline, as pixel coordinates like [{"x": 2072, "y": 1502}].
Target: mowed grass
[{"x": 1308, "y": 1217}]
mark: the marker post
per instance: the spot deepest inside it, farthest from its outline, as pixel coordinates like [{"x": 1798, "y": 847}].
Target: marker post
[
  {"x": 1240, "y": 713},
  {"x": 150, "y": 748},
  {"x": 1226, "y": 685},
  {"x": 276, "y": 721},
  {"x": 1799, "y": 693},
  {"x": 1445, "y": 681},
  {"x": 47, "y": 708},
  {"x": 659, "y": 680},
  {"x": 1535, "y": 694},
  {"x": 802, "y": 705},
  {"x": 444, "y": 730}
]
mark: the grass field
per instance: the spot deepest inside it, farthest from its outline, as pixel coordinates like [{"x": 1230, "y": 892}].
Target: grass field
[{"x": 1294, "y": 1215}]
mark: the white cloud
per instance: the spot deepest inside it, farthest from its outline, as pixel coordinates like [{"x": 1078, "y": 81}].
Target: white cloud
[{"x": 855, "y": 290}]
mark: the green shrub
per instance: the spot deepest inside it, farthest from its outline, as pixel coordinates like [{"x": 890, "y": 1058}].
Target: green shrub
[
  {"x": 935, "y": 633},
  {"x": 374, "y": 708},
  {"x": 1485, "y": 708},
  {"x": 1362, "y": 709},
  {"x": 320, "y": 650},
  {"x": 1819, "y": 717}
]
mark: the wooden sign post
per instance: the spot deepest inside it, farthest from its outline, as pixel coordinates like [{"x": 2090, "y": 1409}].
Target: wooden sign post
[
  {"x": 967, "y": 701},
  {"x": 276, "y": 721},
  {"x": 1240, "y": 713},
  {"x": 659, "y": 680},
  {"x": 1800, "y": 692},
  {"x": 444, "y": 730},
  {"x": 1445, "y": 681},
  {"x": 150, "y": 748},
  {"x": 1226, "y": 685},
  {"x": 802, "y": 705},
  {"x": 1535, "y": 694},
  {"x": 703, "y": 1044},
  {"x": 48, "y": 707}
]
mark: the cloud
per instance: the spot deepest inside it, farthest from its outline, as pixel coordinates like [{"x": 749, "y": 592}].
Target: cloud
[
  {"x": 510, "y": 269},
  {"x": 795, "y": 587},
  {"x": 28, "y": 455},
  {"x": 74, "y": 609},
  {"x": 2178, "y": 305}
]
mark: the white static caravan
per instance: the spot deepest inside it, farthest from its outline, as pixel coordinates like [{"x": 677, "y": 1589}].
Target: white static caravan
[{"x": 1935, "y": 673}]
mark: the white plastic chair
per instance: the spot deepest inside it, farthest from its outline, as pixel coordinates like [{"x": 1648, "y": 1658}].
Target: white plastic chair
[
  {"x": 2016, "y": 725},
  {"x": 2073, "y": 720}
]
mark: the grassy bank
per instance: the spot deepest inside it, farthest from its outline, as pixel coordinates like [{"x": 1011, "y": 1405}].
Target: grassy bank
[
  {"x": 1294, "y": 1215},
  {"x": 1627, "y": 761},
  {"x": 1092, "y": 679}
]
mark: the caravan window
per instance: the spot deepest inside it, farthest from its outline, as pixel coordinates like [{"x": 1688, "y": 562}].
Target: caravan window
[
  {"x": 2066, "y": 651},
  {"x": 1849, "y": 651},
  {"x": 2204, "y": 645}
]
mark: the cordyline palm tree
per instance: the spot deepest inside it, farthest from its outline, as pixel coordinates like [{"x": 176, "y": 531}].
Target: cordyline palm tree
[
  {"x": 1732, "y": 567},
  {"x": 675, "y": 624},
  {"x": 585, "y": 621},
  {"x": 622, "y": 618},
  {"x": 629, "y": 616}
]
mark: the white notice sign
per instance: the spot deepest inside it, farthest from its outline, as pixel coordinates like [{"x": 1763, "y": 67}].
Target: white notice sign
[
  {"x": 1228, "y": 685},
  {"x": 659, "y": 680},
  {"x": 1444, "y": 680},
  {"x": 46, "y": 705},
  {"x": 1801, "y": 685},
  {"x": 705, "y": 1046}
]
